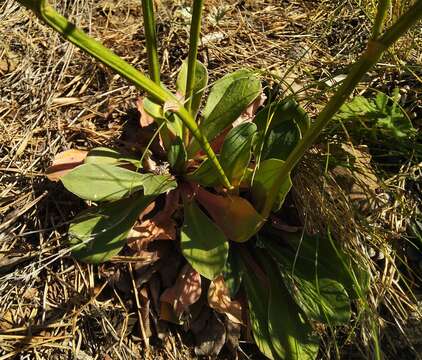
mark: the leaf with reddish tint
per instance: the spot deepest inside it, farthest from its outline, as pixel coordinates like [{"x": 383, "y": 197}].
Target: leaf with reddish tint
[
  {"x": 185, "y": 292},
  {"x": 64, "y": 162},
  {"x": 219, "y": 300},
  {"x": 234, "y": 215}
]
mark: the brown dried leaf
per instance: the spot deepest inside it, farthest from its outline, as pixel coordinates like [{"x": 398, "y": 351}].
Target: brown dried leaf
[
  {"x": 159, "y": 227},
  {"x": 64, "y": 162},
  {"x": 211, "y": 338},
  {"x": 233, "y": 332},
  {"x": 185, "y": 292},
  {"x": 145, "y": 119},
  {"x": 219, "y": 300}
]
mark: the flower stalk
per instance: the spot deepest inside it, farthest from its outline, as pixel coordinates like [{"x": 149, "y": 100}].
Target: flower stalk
[
  {"x": 368, "y": 59},
  {"x": 156, "y": 92}
]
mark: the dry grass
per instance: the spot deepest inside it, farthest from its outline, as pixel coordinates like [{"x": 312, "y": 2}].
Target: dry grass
[{"x": 53, "y": 97}]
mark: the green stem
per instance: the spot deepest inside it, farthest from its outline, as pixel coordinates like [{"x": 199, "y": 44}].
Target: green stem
[
  {"x": 158, "y": 93},
  {"x": 151, "y": 40},
  {"x": 368, "y": 59},
  {"x": 382, "y": 11},
  {"x": 195, "y": 33}
]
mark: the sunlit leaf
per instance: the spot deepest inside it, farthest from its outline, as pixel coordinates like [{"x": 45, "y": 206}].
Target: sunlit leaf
[
  {"x": 199, "y": 84},
  {"x": 219, "y": 299},
  {"x": 203, "y": 244},
  {"x": 99, "y": 233},
  {"x": 185, "y": 292},
  {"x": 234, "y": 215},
  {"x": 64, "y": 162},
  {"x": 103, "y": 155},
  {"x": 171, "y": 120},
  {"x": 382, "y": 117},
  {"x": 228, "y": 98},
  {"x": 235, "y": 153},
  {"x": 103, "y": 182},
  {"x": 264, "y": 180}
]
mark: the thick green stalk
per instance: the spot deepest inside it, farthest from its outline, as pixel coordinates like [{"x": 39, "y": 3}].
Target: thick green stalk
[
  {"x": 368, "y": 59},
  {"x": 151, "y": 40},
  {"x": 156, "y": 92},
  {"x": 195, "y": 33},
  {"x": 382, "y": 11}
]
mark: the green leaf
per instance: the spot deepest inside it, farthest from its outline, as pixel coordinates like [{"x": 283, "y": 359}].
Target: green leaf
[
  {"x": 312, "y": 282},
  {"x": 204, "y": 175},
  {"x": 281, "y": 126},
  {"x": 228, "y": 98},
  {"x": 99, "y": 233},
  {"x": 103, "y": 182},
  {"x": 319, "y": 254},
  {"x": 289, "y": 331},
  {"x": 263, "y": 182},
  {"x": 258, "y": 294},
  {"x": 233, "y": 273},
  {"x": 103, "y": 155},
  {"x": 323, "y": 300},
  {"x": 177, "y": 155},
  {"x": 235, "y": 153},
  {"x": 381, "y": 117},
  {"x": 199, "y": 84},
  {"x": 203, "y": 244}
]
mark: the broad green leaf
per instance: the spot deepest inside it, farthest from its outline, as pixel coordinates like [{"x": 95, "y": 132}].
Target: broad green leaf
[
  {"x": 203, "y": 244},
  {"x": 204, "y": 175},
  {"x": 289, "y": 331},
  {"x": 99, "y": 233},
  {"x": 281, "y": 126},
  {"x": 317, "y": 291},
  {"x": 228, "y": 98},
  {"x": 235, "y": 153},
  {"x": 199, "y": 84},
  {"x": 177, "y": 155},
  {"x": 317, "y": 254},
  {"x": 323, "y": 300},
  {"x": 257, "y": 293},
  {"x": 98, "y": 182},
  {"x": 381, "y": 117},
  {"x": 264, "y": 179},
  {"x": 233, "y": 273},
  {"x": 103, "y": 155}
]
